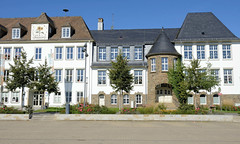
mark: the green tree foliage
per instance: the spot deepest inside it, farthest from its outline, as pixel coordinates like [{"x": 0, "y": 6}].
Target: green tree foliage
[
  {"x": 176, "y": 78},
  {"x": 120, "y": 76},
  {"x": 21, "y": 74}
]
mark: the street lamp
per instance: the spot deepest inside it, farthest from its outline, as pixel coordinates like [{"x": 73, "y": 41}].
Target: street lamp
[{"x": 85, "y": 75}]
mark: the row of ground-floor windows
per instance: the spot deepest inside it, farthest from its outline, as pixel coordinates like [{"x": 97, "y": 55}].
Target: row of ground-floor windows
[
  {"x": 8, "y": 97},
  {"x": 126, "y": 101},
  {"x": 203, "y": 99}
]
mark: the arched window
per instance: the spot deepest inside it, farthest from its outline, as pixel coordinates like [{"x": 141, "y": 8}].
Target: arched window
[
  {"x": 126, "y": 99},
  {"x": 203, "y": 100},
  {"x": 190, "y": 99},
  {"x": 138, "y": 99},
  {"x": 216, "y": 99},
  {"x": 113, "y": 99}
]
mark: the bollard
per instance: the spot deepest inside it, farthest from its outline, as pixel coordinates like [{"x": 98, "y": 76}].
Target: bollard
[{"x": 67, "y": 108}]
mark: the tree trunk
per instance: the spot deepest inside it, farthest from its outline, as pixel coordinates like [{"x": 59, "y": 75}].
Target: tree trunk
[
  {"x": 23, "y": 95},
  {"x": 119, "y": 101}
]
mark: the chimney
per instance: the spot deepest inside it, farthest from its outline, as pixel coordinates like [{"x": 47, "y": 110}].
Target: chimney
[{"x": 100, "y": 24}]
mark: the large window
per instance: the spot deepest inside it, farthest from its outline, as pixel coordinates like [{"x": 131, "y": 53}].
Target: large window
[
  {"x": 138, "y": 54},
  {"x": 66, "y": 32},
  {"x": 7, "y": 53},
  {"x": 216, "y": 99},
  {"x": 69, "y": 53},
  {"x": 17, "y": 53},
  {"x": 102, "y": 53},
  {"x": 5, "y": 97},
  {"x": 38, "y": 53},
  {"x": 138, "y": 77},
  {"x": 200, "y": 52},
  {"x": 101, "y": 77},
  {"x": 164, "y": 64},
  {"x": 80, "y": 75},
  {"x": 190, "y": 99},
  {"x": 226, "y": 51},
  {"x": 153, "y": 65},
  {"x": 213, "y": 50},
  {"x": 138, "y": 99},
  {"x": 227, "y": 76},
  {"x": 80, "y": 53},
  {"x": 188, "y": 52},
  {"x": 58, "y": 53},
  {"x": 68, "y": 96},
  {"x": 203, "y": 99},
  {"x": 79, "y": 97},
  {"x": 114, "y": 53},
  {"x": 57, "y": 97},
  {"x": 114, "y": 99},
  {"x": 15, "y": 97},
  {"x": 126, "y": 99},
  {"x": 126, "y": 52},
  {"x": 58, "y": 75},
  {"x": 69, "y": 75},
  {"x": 6, "y": 75},
  {"x": 16, "y": 33},
  {"x": 215, "y": 73}
]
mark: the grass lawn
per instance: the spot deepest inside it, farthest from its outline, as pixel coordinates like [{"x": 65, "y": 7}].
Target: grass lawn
[
  {"x": 222, "y": 112},
  {"x": 114, "y": 109},
  {"x": 50, "y": 109}
]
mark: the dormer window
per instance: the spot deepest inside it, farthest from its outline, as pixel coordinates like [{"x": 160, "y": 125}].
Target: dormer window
[
  {"x": 16, "y": 33},
  {"x": 66, "y": 32}
]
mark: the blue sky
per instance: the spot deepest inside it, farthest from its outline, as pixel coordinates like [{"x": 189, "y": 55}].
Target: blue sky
[{"x": 128, "y": 14}]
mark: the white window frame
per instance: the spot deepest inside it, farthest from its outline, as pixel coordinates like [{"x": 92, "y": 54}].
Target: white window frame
[
  {"x": 205, "y": 99},
  {"x": 38, "y": 53},
  {"x": 5, "y": 97},
  {"x": 5, "y": 75},
  {"x": 58, "y": 53},
  {"x": 16, "y": 33},
  {"x": 164, "y": 61},
  {"x": 138, "y": 77},
  {"x": 213, "y": 52},
  {"x": 215, "y": 73},
  {"x": 126, "y": 99},
  {"x": 79, "y": 96},
  {"x": 138, "y": 53},
  {"x": 57, "y": 97},
  {"x": 15, "y": 97},
  {"x": 102, "y": 79},
  {"x": 138, "y": 99},
  {"x": 66, "y": 32},
  {"x": 227, "y": 51},
  {"x": 80, "y": 53},
  {"x": 192, "y": 97},
  {"x": 201, "y": 52},
  {"x": 218, "y": 97},
  {"x": 153, "y": 65},
  {"x": 69, "y": 53},
  {"x": 113, "y": 99},
  {"x": 17, "y": 52},
  {"x": 68, "y": 94},
  {"x": 102, "y": 56},
  {"x": 57, "y": 75},
  {"x": 7, "y": 53},
  {"x": 227, "y": 75},
  {"x": 69, "y": 75},
  {"x": 114, "y": 53},
  {"x": 188, "y": 52},
  {"x": 79, "y": 75},
  {"x": 126, "y": 52}
]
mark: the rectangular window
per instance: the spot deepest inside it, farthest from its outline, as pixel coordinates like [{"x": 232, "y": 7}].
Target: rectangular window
[
  {"x": 101, "y": 77},
  {"x": 213, "y": 51},
  {"x": 203, "y": 100},
  {"x": 69, "y": 53},
  {"x": 5, "y": 97},
  {"x": 38, "y": 53},
  {"x": 58, "y": 53},
  {"x": 6, "y": 75},
  {"x": 216, "y": 99},
  {"x": 66, "y": 32},
  {"x": 17, "y": 53},
  {"x": 164, "y": 64},
  {"x": 58, "y": 75},
  {"x": 7, "y": 53},
  {"x": 114, "y": 99},
  {"x": 138, "y": 54},
  {"x": 57, "y": 97},
  {"x": 126, "y": 52},
  {"x": 126, "y": 99},
  {"x": 69, "y": 75},
  {"x": 69, "y": 97},
  {"x": 15, "y": 97},
  {"x": 153, "y": 65},
  {"x": 188, "y": 52},
  {"x": 114, "y": 53},
  {"x": 190, "y": 99},
  {"x": 16, "y": 33},
  {"x": 80, "y": 75},
  {"x": 226, "y": 51},
  {"x": 80, "y": 97},
  {"x": 215, "y": 73},
  {"x": 200, "y": 52},
  {"x": 80, "y": 53},
  {"x": 102, "y": 54},
  {"x": 227, "y": 76},
  {"x": 138, "y": 77}
]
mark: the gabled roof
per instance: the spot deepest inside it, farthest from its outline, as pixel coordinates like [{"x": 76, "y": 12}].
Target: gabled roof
[
  {"x": 131, "y": 36},
  {"x": 44, "y": 19},
  {"x": 162, "y": 46},
  {"x": 203, "y": 26}
]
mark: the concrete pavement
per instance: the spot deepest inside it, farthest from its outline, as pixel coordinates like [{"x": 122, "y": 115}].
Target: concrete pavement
[{"x": 117, "y": 132}]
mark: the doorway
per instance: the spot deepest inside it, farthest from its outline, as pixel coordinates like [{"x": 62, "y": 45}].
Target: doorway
[{"x": 101, "y": 100}]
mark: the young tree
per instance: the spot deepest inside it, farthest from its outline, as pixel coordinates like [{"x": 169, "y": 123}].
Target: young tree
[
  {"x": 120, "y": 76},
  {"x": 44, "y": 80},
  {"x": 21, "y": 74}
]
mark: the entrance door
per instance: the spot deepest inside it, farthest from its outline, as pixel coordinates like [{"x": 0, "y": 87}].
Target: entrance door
[
  {"x": 101, "y": 100},
  {"x": 164, "y": 95},
  {"x": 37, "y": 98}
]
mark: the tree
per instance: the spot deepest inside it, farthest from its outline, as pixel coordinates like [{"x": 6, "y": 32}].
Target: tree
[
  {"x": 21, "y": 74},
  {"x": 120, "y": 77},
  {"x": 176, "y": 78},
  {"x": 44, "y": 80}
]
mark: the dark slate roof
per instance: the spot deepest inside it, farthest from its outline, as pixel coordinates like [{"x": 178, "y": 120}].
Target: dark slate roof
[
  {"x": 204, "y": 26},
  {"x": 131, "y": 36},
  {"x": 138, "y": 64},
  {"x": 162, "y": 46}
]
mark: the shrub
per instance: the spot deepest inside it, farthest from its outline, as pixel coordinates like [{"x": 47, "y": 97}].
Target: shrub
[
  {"x": 10, "y": 110},
  {"x": 146, "y": 110},
  {"x": 186, "y": 107},
  {"x": 90, "y": 109},
  {"x": 162, "y": 107},
  {"x": 128, "y": 110}
]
